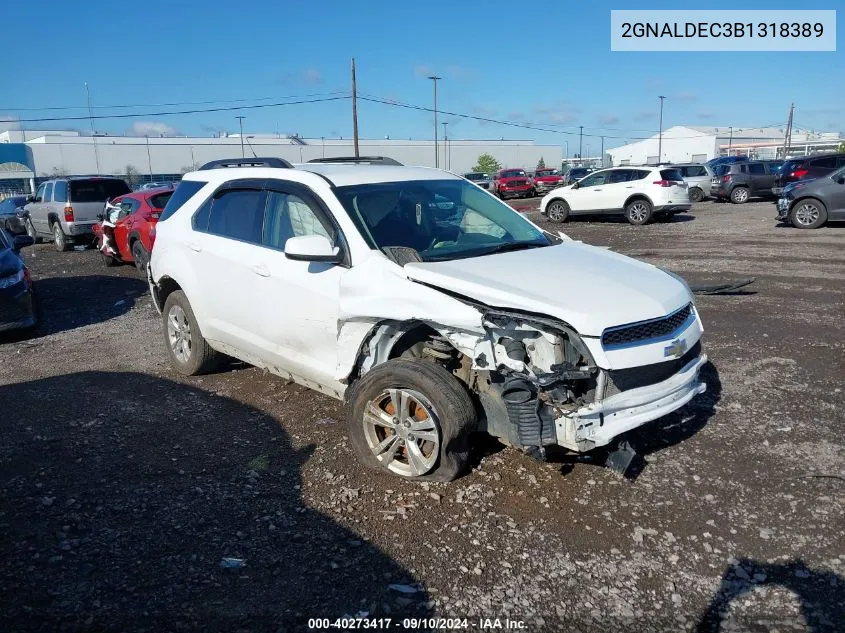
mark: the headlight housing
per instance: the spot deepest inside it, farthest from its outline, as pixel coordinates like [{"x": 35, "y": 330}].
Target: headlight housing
[{"x": 11, "y": 280}]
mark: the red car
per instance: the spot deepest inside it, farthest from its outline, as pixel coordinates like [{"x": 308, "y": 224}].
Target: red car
[
  {"x": 512, "y": 183},
  {"x": 547, "y": 179},
  {"x": 127, "y": 232}
]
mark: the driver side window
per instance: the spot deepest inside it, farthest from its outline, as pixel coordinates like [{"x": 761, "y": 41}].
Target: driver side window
[
  {"x": 599, "y": 178},
  {"x": 287, "y": 216},
  {"x": 39, "y": 194}
]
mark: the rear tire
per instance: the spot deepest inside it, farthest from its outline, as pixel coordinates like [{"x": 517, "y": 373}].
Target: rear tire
[
  {"x": 808, "y": 214},
  {"x": 740, "y": 195},
  {"x": 435, "y": 404},
  {"x": 696, "y": 195},
  {"x": 59, "y": 238},
  {"x": 190, "y": 354},
  {"x": 638, "y": 212},
  {"x": 557, "y": 211},
  {"x": 140, "y": 255}
]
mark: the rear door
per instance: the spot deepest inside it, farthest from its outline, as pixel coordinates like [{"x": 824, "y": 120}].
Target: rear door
[
  {"x": 88, "y": 196},
  {"x": 227, "y": 232}
]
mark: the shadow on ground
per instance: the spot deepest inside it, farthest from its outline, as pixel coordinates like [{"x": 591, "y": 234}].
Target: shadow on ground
[
  {"x": 820, "y": 595},
  {"x": 119, "y": 507}
]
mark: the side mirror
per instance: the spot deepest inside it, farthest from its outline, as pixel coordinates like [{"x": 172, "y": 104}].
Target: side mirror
[
  {"x": 841, "y": 180},
  {"x": 312, "y": 248},
  {"x": 22, "y": 241},
  {"x": 30, "y": 198}
]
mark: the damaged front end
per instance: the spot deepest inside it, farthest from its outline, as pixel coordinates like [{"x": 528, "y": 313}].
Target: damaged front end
[{"x": 529, "y": 370}]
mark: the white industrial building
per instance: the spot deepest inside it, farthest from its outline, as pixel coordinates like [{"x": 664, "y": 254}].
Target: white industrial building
[
  {"x": 683, "y": 143},
  {"x": 166, "y": 158}
]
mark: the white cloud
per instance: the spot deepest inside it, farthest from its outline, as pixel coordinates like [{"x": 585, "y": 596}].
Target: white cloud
[
  {"x": 705, "y": 115},
  {"x": 423, "y": 70},
  {"x": 151, "y": 128},
  {"x": 608, "y": 119},
  {"x": 303, "y": 77},
  {"x": 644, "y": 115},
  {"x": 686, "y": 95}
]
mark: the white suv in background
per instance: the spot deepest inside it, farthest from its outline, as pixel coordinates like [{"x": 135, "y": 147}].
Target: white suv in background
[
  {"x": 412, "y": 294},
  {"x": 639, "y": 193}
]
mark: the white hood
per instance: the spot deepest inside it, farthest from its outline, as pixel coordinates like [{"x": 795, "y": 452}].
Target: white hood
[{"x": 589, "y": 288}]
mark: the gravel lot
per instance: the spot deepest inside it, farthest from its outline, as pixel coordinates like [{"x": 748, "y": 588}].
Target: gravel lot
[{"x": 123, "y": 485}]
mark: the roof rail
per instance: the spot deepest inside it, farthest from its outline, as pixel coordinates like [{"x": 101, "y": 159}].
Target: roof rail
[
  {"x": 247, "y": 162},
  {"x": 361, "y": 160}
]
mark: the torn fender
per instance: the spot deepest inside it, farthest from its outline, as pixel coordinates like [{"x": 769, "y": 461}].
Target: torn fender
[{"x": 377, "y": 291}]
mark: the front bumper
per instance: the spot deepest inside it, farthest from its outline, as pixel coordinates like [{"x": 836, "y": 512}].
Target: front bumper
[
  {"x": 154, "y": 293},
  {"x": 546, "y": 187},
  {"x": 783, "y": 205},
  {"x": 598, "y": 423},
  {"x": 514, "y": 193}
]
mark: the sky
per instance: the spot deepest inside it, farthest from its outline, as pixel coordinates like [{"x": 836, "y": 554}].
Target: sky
[{"x": 546, "y": 65}]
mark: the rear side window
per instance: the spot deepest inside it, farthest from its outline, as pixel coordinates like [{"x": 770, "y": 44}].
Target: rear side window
[
  {"x": 756, "y": 168},
  {"x": 184, "y": 192},
  {"x": 828, "y": 162},
  {"x": 695, "y": 170},
  {"x": 721, "y": 170},
  {"x": 238, "y": 214},
  {"x": 639, "y": 174},
  {"x": 97, "y": 190},
  {"x": 620, "y": 175},
  {"x": 60, "y": 191},
  {"x": 159, "y": 200},
  {"x": 671, "y": 174}
]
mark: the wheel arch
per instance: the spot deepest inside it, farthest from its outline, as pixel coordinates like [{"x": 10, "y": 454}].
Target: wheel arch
[
  {"x": 52, "y": 218},
  {"x": 637, "y": 196},
  {"x": 804, "y": 199}
]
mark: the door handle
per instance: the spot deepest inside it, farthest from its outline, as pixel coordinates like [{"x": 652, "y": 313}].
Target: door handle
[
  {"x": 260, "y": 270},
  {"x": 195, "y": 246},
  {"x": 596, "y": 189},
  {"x": 629, "y": 187}
]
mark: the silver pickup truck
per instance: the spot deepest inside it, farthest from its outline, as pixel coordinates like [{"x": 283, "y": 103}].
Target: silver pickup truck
[{"x": 65, "y": 210}]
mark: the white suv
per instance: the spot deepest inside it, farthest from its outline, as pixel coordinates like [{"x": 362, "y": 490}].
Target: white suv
[
  {"x": 413, "y": 295},
  {"x": 640, "y": 193}
]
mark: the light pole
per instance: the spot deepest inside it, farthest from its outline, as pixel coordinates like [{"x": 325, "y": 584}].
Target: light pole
[
  {"x": 581, "y": 143},
  {"x": 149, "y": 160},
  {"x": 660, "y": 138},
  {"x": 445, "y": 146},
  {"x": 435, "y": 79},
  {"x": 731, "y": 139},
  {"x": 241, "y": 121},
  {"x": 567, "y": 149}
]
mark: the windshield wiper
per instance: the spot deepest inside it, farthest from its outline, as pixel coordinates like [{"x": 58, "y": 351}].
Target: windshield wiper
[{"x": 510, "y": 246}]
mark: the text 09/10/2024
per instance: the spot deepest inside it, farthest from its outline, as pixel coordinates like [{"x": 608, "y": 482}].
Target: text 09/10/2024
[{"x": 723, "y": 30}]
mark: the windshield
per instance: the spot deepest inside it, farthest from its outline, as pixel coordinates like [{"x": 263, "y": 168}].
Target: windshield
[
  {"x": 513, "y": 173},
  {"x": 440, "y": 219},
  {"x": 97, "y": 189},
  {"x": 475, "y": 176},
  {"x": 546, "y": 172}
]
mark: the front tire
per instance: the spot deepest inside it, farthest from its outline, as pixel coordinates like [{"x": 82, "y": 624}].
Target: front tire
[
  {"x": 740, "y": 195},
  {"x": 808, "y": 214},
  {"x": 190, "y": 354},
  {"x": 638, "y": 212},
  {"x": 557, "y": 211},
  {"x": 411, "y": 418},
  {"x": 59, "y": 238},
  {"x": 30, "y": 230}
]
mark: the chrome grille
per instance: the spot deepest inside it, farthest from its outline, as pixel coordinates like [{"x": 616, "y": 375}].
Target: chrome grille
[{"x": 645, "y": 330}]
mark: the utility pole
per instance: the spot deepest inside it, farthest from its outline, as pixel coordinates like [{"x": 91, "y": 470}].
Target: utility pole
[
  {"x": 602, "y": 151},
  {"x": 241, "y": 121},
  {"x": 730, "y": 139},
  {"x": 581, "y": 143},
  {"x": 354, "y": 110},
  {"x": 93, "y": 133},
  {"x": 435, "y": 79},
  {"x": 787, "y": 137},
  {"x": 445, "y": 146},
  {"x": 149, "y": 160},
  {"x": 660, "y": 140}
]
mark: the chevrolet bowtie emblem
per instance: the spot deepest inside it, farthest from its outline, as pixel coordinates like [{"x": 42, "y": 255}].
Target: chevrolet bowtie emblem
[{"x": 677, "y": 348}]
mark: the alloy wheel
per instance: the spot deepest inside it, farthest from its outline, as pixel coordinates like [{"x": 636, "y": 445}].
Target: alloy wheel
[
  {"x": 179, "y": 334},
  {"x": 807, "y": 214},
  {"x": 557, "y": 212},
  {"x": 401, "y": 430},
  {"x": 638, "y": 212}
]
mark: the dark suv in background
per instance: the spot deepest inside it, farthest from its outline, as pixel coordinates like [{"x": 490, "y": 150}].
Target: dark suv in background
[
  {"x": 739, "y": 182},
  {"x": 808, "y": 204},
  {"x": 807, "y": 168}
]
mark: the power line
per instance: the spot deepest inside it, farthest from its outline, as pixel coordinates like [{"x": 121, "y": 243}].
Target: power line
[
  {"x": 538, "y": 127},
  {"x": 136, "y": 115},
  {"x": 173, "y": 103}
]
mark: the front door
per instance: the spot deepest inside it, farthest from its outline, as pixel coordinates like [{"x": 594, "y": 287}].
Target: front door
[
  {"x": 590, "y": 196},
  {"x": 296, "y": 318},
  {"x": 123, "y": 225}
]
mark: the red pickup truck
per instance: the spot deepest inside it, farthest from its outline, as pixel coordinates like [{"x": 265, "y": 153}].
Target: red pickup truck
[
  {"x": 513, "y": 183},
  {"x": 547, "y": 179}
]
